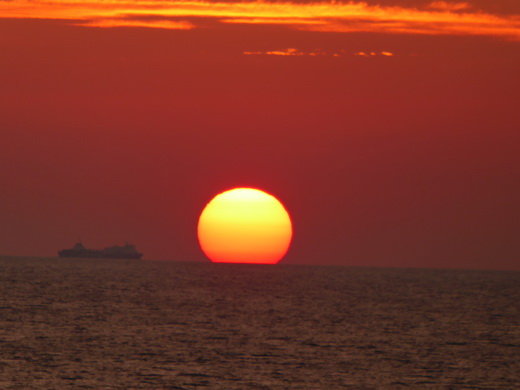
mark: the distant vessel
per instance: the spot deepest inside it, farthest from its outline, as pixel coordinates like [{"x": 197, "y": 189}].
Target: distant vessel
[{"x": 112, "y": 252}]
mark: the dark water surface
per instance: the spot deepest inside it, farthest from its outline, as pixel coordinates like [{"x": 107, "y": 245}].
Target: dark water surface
[{"x": 115, "y": 324}]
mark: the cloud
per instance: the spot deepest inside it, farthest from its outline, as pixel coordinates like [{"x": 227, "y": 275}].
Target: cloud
[
  {"x": 149, "y": 23},
  {"x": 374, "y": 54},
  {"x": 436, "y": 18},
  {"x": 445, "y": 6},
  {"x": 283, "y": 52},
  {"x": 292, "y": 52}
]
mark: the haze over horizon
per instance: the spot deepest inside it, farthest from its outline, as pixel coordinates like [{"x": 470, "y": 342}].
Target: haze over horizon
[{"x": 388, "y": 129}]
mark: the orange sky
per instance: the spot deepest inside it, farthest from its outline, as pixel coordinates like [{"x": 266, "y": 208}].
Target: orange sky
[
  {"x": 437, "y": 17},
  {"x": 389, "y": 129}
]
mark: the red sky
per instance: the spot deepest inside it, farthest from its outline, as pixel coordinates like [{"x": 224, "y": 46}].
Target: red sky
[{"x": 390, "y": 132}]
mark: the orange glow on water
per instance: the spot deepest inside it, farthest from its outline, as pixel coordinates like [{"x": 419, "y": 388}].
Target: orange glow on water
[{"x": 244, "y": 225}]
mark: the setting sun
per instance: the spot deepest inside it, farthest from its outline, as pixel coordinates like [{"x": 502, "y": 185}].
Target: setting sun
[{"x": 244, "y": 225}]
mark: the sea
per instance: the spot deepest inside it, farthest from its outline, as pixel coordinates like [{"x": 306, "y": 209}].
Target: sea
[{"x": 129, "y": 324}]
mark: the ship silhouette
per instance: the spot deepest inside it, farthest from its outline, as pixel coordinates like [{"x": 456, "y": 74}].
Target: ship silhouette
[{"x": 126, "y": 251}]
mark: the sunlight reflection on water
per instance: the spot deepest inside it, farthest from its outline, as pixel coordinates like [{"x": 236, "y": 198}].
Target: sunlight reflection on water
[{"x": 144, "y": 324}]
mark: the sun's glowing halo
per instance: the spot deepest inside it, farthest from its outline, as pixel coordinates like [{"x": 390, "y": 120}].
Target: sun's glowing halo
[{"x": 244, "y": 225}]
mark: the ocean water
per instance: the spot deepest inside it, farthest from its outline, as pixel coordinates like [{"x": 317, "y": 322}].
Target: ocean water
[{"x": 116, "y": 324}]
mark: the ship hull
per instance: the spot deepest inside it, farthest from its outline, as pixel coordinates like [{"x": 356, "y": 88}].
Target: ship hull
[
  {"x": 93, "y": 254},
  {"x": 113, "y": 252}
]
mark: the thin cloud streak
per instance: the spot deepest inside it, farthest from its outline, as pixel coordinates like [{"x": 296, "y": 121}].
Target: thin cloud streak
[
  {"x": 293, "y": 52},
  {"x": 443, "y": 5},
  {"x": 438, "y": 18},
  {"x": 163, "y": 24},
  {"x": 290, "y": 52}
]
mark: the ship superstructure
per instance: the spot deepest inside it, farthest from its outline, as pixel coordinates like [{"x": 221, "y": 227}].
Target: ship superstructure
[{"x": 126, "y": 251}]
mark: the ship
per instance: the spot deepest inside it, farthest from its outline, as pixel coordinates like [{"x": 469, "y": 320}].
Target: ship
[{"x": 126, "y": 251}]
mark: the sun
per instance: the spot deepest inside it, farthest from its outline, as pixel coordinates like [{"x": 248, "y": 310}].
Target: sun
[{"x": 245, "y": 225}]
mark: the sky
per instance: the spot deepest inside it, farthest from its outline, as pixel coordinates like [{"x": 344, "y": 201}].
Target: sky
[{"x": 389, "y": 129}]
